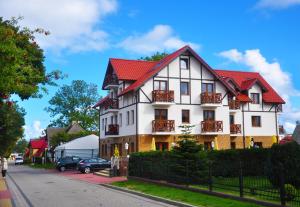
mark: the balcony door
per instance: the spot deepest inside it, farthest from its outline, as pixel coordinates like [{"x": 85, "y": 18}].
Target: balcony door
[
  {"x": 207, "y": 88},
  {"x": 161, "y": 114},
  {"x": 231, "y": 119},
  {"x": 208, "y": 115},
  {"x": 160, "y": 85}
]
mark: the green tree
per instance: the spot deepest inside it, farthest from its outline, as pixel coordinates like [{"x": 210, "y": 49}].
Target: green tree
[
  {"x": 22, "y": 62},
  {"x": 11, "y": 123},
  {"x": 73, "y": 103},
  {"x": 155, "y": 57},
  {"x": 20, "y": 146}
]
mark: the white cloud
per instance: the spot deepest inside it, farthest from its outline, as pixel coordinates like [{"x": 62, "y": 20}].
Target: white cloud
[
  {"x": 72, "y": 23},
  {"x": 34, "y": 130},
  {"x": 279, "y": 79},
  {"x": 277, "y": 4},
  {"x": 289, "y": 127},
  {"x": 159, "y": 38}
]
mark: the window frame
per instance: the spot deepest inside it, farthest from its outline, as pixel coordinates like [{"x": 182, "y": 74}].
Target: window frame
[
  {"x": 206, "y": 87},
  {"x": 252, "y": 121},
  {"x": 132, "y": 117},
  {"x": 187, "y": 59},
  {"x": 120, "y": 119},
  {"x": 127, "y": 118},
  {"x": 252, "y": 95},
  {"x": 185, "y": 112},
  {"x": 160, "y": 85},
  {"x": 209, "y": 111},
  {"x": 188, "y": 88}
]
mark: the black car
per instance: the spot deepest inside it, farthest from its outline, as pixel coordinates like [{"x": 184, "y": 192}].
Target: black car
[
  {"x": 67, "y": 163},
  {"x": 90, "y": 165}
]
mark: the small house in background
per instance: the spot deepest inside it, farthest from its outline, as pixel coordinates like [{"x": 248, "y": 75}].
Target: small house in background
[
  {"x": 83, "y": 147},
  {"x": 36, "y": 148},
  {"x": 72, "y": 129},
  {"x": 296, "y": 134}
]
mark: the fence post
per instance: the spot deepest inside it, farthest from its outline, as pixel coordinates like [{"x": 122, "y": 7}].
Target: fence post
[
  {"x": 210, "y": 181},
  {"x": 241, "y": 183},
  {"x": 281, "y": 183}
]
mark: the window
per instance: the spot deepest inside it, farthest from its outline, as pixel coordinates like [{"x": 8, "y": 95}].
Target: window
[
  {"x": 256, "y": 122},
  {"x": 161, "y": 114},
  {"x": 102, "y": 124},
  {"x": 184, "y": 63},
  {"x": 127, "y": 118},
  {"x": 120, "y": 120},
  {"x": 208, "y": 115},
  {"x": 207, "y": 146},
  {"x": 207, "y": 88},
  {"x": 184, "y": 88},
  {"x": 255, "y": 98},
  {"x": 116, "y": 119},
  {"x": 131, "y": 148},
  {"x": 232, "y": 145},
  {"x": 231, "y": 119},
  {"x": 161, "y": 146},
  {"x": 160, "y": 85},
  {"x": 112, "y": 120},
  {"x": 185, "y": 116},
  {"x": 132, "y": 116},
  {"x": 105, "y": 123}
]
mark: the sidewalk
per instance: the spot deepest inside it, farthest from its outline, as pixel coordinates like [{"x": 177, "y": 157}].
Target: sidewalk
[{"x": 5, "y": 195}]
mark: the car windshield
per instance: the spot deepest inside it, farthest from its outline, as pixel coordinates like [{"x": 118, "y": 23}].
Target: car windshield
[{"x": 18, "y": 158}]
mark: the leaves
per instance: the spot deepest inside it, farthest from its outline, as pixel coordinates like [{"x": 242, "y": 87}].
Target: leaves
[
  {"x": 73, "y": 103},
  {"x": 155, "y": 57}
]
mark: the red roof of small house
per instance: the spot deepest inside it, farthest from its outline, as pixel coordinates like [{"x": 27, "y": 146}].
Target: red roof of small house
[
  {"x": 246, "y": 80},
  {"x": 130, "y": 69},
  {"x": 164, "y": 62},
  {"x": 38, "y": 143},
  {"x": 286, "y": 139},
  {"x": 243, "y": 98}
]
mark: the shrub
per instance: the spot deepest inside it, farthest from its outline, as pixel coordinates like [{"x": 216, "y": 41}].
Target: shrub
[
  {"x": 284, "y": 161},
  {"x": 290, "y": 192}
]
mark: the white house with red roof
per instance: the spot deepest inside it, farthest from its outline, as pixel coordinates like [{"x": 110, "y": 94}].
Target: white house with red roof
[{"x": 148, "y": 100}]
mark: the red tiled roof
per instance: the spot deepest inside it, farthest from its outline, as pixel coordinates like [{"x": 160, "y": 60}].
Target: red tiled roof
[
  {"x": 38, "y": 143},
  {"x": 164, "y": 62},
  {"x": 100, "y": 101},
  {"x": 243, "y": 98},
  {"x": 131, "y": 69},
  {"x": 245, "y": 79}
]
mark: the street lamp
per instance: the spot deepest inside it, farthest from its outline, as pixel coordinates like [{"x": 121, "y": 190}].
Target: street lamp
[
  {"x": 126, "y": 147},
  {"x": 212, "y": 144},
  {"x": 252, "y": 143},
  {"x": 173, "y": 144}
]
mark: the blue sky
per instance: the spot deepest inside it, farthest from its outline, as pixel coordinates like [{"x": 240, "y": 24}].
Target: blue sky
[{"x": 253, "y": 35}]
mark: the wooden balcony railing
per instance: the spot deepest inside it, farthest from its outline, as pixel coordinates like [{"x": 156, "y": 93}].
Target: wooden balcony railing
[
  {"x": 111, "y": 103},
  {"x": 234, "y": 104},
  {"x": 163, "y": 125},
  {"x": 212, "y": 126},
  {"x": 111, "y": 79},
  {"x": 235, "y": 129},
  {"x": 162, "y": 96},
  {"x": 211, "y": 98},
  {"x": 113, "y": 129}
]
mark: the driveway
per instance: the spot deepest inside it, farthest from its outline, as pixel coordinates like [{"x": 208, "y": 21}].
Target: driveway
[{"x": 43, "y": 188}]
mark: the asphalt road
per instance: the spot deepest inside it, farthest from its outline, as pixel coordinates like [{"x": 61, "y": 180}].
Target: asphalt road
[{"x": 39, "y": 188}]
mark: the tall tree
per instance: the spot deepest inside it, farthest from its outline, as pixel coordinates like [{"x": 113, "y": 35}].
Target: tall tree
[
  {"x": 73, "y": 103},
  {"x": 11, "y": 123},
  {"x": 155, "y": 57},
  {"x": 21, "y": 62},
  {"x": 20, "y": 146}
]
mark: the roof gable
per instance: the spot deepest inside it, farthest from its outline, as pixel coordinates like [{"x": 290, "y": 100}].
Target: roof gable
[
  {"x": 164, "y": 62},
  {"x": 248, "y": 79}
]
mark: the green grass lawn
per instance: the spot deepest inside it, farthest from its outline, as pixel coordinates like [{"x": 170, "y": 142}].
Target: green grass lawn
[
  {"x": 185, "y": 196},
  {"x": 42, "y": 166}
]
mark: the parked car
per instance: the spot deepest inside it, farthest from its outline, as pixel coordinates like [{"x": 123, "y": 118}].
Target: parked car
[
  {"x": 67, "y": 163},
  {"x": 94, "y": 164},
  {"x": 19, "y": 161}
]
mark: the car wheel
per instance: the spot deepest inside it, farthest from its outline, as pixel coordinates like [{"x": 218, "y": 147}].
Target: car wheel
[
  {"x": 87, "y": 170},
  {"x": 62, "y": 169}
]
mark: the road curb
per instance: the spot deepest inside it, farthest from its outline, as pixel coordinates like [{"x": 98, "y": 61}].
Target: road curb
[
  {"x": 156, "y": 198},
  {"x": 6, "y": 200}
]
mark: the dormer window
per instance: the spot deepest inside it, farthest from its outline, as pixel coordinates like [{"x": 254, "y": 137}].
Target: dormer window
[
  {"x": 255, "y": 98},
  {"x": 184, "y": 63}
]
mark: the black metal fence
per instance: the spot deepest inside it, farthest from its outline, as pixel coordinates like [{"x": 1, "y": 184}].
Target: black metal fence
[{"x": 246, "y": 178}]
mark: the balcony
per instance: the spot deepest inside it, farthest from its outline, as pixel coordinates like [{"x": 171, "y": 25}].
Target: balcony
[
  {"x": 211, "y": 99},
  {"x": 212, "y": 127},
  {"x": 235, "y": 129},
  {"x": 113, "y": 129},
  {"x": 163, "y": 127},
  {"x": 234, "y": 105},
  {"x": 161, "y": 97},
  {"x": 111, "y": 81},
  {"x": 111, "y": 105}
]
